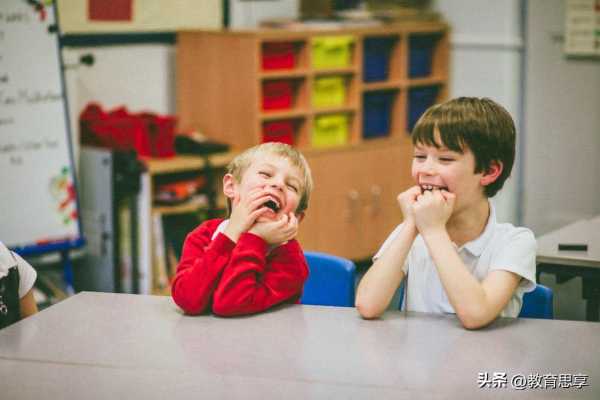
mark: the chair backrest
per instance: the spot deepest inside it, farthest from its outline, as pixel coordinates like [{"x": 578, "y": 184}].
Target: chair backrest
[
  {"x": 330, "y": 282},
  {"x": 401, "y": 294},
  {"x": 538, "y": 304}
]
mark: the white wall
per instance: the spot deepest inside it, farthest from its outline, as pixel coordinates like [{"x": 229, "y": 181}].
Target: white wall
[
  {"x": 562, "y": 104},
  {"x": 486, "y": 56},
  {"x": 140, "y": 77},
  {"x": 561, "y": 181}
]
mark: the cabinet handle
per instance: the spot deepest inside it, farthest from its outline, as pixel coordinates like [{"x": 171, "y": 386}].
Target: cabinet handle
[
  {"x": 353, "y": 205},
  {"x": 375, "y": 200}
]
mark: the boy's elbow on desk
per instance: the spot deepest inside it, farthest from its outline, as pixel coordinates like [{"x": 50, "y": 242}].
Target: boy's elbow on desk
[
  {"x": 366, "y": 310},
  {"x": 474, "y": 322},
  {"x": 189, "y": 306}
]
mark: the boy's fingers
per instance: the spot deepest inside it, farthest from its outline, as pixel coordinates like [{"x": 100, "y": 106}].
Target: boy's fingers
[
  {"x": 415, "y": 190},
  {"x": 257, "y": 213},
  {"x": 255, "y": 203}
]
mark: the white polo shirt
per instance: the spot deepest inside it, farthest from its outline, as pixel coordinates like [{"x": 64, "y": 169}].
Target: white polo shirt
[
  {"x": 27, "y": 274},
  {"x": 499, "y": 247}
]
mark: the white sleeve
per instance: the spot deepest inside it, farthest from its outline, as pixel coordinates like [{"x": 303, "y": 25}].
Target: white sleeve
[
  {"x": 27, "y": 275},
  {"x": 386, "y": 244},
  {"x": 517, "y": 254}
]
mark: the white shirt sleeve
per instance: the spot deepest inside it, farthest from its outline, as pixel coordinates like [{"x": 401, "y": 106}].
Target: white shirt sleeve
[
  {"x": 27, "y": 275},
  {"x": 387, "y": 243},
  {"x": 517, "y": 254}
]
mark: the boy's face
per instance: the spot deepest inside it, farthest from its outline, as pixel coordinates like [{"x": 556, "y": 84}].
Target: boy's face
[
  {"x": 277, "y": 178},
  {"x": 442, "y": 168}
]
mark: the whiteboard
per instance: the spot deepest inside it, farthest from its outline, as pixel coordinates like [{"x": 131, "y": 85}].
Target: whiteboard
[{"x": 38, "y": 201}]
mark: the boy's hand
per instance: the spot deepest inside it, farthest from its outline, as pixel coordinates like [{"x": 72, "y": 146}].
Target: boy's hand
[
  {"x": 278, "y": 231},
  {"x": 433, "y": 209},
  {"x": 406, "y": 200},
  {"x": 245, "y": 212}
]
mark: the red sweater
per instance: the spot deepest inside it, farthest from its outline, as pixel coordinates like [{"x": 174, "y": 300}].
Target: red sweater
[{"x": 230, "y": 278}]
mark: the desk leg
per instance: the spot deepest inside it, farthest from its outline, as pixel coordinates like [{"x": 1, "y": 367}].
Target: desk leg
[
  {"x": 590, "y": 278},
  {"x": 591, "y": 293}
]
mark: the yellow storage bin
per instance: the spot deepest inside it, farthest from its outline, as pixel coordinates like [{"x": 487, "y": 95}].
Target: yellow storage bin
[
  {"x": 329, "y": 91},
  {"x": 330, "y": 130},
  {"x": 332, "y": 51}
]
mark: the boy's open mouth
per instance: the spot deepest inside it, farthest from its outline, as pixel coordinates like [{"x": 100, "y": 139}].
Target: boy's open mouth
[
  {"x": 272, "y": 205},
  {"x": 427, "y": 187}
]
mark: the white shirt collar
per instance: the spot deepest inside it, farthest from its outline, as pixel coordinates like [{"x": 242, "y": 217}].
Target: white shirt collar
[
  {"x": 220, "y": 228},
  {"x": 477, "y": 245}
]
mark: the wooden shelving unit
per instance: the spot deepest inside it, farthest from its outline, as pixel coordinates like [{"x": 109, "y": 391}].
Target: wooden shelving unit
[
  {"x": 220, "y": 83},
  {"x": 157, "y": 167}
]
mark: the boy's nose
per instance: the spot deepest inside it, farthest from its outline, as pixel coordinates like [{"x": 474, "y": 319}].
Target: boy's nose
[
  {"x": 276, "y": 184},
  {"x": 427, "y": 167}
]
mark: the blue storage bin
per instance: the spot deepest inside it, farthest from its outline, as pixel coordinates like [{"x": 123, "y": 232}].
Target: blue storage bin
[
  {"x": 377, "y": 110},
  {"x": 421, "y": 55},
  {"x": 419, "y": 100},
  {"x": 376, "y": 58}
]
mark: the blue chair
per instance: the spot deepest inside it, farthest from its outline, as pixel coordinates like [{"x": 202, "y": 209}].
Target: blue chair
[
  {"x": 538, "y": 304},
  {"x": 331, "y": 280},
  {"x": 401, "y": 294}
]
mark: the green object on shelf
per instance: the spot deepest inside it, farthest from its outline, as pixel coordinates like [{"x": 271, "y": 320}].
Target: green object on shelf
[
  {"x": 330, "y": 130},
  {"x": 332, "y": 51},
  {"x": 329, "y": 91}
]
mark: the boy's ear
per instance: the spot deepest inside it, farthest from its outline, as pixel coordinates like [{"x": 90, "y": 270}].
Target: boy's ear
[
  {"x": 229, "y": 186},
  {"x": 492, "y": 173},
  {"x": 300, "y": 216}
]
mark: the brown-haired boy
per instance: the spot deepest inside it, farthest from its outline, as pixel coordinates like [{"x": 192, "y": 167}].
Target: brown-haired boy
[
  {"x": 251, "y": 261},
  {"x": 458, "y": 259}
]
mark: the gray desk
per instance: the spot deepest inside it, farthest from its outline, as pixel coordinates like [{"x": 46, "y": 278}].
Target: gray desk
[
  {"x": 568, "y": 264},
  {"x": 115, "y": 346}
]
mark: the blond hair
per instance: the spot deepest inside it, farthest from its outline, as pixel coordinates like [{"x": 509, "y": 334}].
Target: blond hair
[{"x": 240, "y": 164}]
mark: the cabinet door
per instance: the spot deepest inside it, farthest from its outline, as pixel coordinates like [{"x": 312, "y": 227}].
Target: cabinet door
[
  {"x": 353, "y": 206},
  {"x": 388, "y": 175},
  {"x": 331, "y": 218}
]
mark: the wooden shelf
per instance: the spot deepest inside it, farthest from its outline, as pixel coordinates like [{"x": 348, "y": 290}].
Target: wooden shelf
[
  {"x": 331, "y": 110},
  {"x": 282, "y": 74},
  {"x": 334, "y": 71},
  {"x": 219, "y": 91},
  {"x": 188, "y": 207},
  {"x": 184, "y": 162},
  {"x": 429, "y": 81},
  {"x": 385, "y": 85},
  {"x": 282, "y": 114}
]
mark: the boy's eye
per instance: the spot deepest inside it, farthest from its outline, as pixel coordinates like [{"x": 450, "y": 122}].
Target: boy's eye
[
  {"x": 420, "y": 156},
  {"x": 293, "y": 188},
  {"x": 265, "y": 174},
  {"x": 446, "y": 159}
]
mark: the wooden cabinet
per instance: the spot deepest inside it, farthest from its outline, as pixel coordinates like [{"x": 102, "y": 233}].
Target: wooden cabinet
[
  {"x": 354, "y": 207},
  {"x": 223, "y": 85}
]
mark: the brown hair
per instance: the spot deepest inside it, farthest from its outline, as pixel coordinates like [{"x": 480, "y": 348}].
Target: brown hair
[
  {"x": 241, "y": 162},
  {"x": 481, "y": 124}
]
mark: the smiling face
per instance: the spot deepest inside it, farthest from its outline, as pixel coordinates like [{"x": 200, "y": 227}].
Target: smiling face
[
  {"x": 440, "y": 168},
  {"x": 276, "y": 177}
]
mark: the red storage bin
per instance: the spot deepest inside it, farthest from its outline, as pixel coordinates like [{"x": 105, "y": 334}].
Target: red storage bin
[
  {"x": 158, "y": 139},
  {"x": 278, "y": 56},
  {"x": 277, "y": 95},
  {"x": 279, "y": 131},
  {"x": 148, "y": 134}
]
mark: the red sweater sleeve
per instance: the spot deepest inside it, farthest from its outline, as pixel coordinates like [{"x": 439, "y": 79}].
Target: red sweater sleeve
[
  {"x": 200, "y": 268},
  {"x": 254, "y": 281}
]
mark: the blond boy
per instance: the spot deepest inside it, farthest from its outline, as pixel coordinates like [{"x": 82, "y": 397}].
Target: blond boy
[{"x": 250, "y": 261}]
